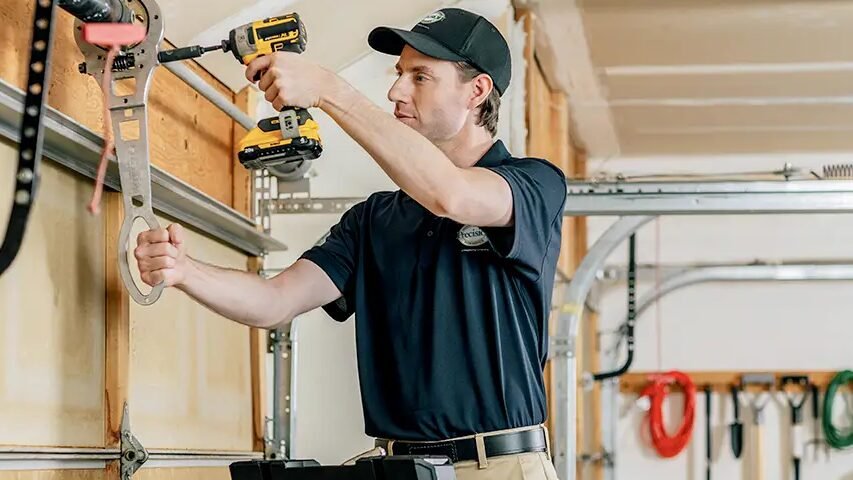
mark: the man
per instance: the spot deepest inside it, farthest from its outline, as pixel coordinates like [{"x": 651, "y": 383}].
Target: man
[{"x": 449, "y": 278}]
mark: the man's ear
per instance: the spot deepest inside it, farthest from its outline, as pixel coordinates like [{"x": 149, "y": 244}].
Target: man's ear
[{"x": 482, "y": 86}]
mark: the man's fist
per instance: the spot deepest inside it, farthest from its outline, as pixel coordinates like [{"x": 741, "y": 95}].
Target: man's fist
[
  {"x": 162, "y": 256},
  {"x": 289, "y": 80}
]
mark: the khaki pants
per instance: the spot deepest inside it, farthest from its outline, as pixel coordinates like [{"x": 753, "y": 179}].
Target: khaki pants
[{"x": 523, "y": 466}]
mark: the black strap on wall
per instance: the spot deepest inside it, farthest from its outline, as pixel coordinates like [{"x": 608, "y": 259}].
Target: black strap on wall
[
  {"x": 628, "y": 327},
  {"x": 30, "y": 150}
]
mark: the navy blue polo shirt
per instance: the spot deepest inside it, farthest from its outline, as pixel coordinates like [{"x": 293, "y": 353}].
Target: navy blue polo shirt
[{"x": 451, "y": 320}]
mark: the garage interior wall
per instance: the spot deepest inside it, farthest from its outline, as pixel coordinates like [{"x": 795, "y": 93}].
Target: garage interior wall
[
  {"x": 73, "y": 347},
  {"x": 63, "y": 318},
  {"x": 735, "y": 326}
]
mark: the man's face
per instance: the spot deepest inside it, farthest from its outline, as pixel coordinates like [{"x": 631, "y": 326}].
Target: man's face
[{"x": 429, "y": 96}]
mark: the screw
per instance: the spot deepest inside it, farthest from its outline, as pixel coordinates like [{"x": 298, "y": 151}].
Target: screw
[
  {"x": 22, "y": 197},
  {"x": 25, "y": 175}
]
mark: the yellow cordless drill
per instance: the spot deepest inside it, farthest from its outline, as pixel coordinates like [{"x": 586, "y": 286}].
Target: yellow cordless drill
[{"x": 291, "y": 136}]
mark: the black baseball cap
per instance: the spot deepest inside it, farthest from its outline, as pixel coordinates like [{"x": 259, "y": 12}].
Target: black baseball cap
[{"x": 452, "y": 34}]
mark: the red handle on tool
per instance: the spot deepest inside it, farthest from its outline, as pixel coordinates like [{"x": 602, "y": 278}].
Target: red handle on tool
[
  {"x": 109, "y": 34},
  {"x": 669, "y": 446}
]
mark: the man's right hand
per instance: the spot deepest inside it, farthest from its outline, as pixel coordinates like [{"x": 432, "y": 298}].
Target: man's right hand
[{"x": 161, "y": 255}]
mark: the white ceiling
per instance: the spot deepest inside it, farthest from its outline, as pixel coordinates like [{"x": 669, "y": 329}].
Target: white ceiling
[{"x": 705, "y": 76}]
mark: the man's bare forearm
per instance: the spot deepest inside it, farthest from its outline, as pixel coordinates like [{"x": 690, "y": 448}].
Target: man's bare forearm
[{"x": 240, "y": 296}]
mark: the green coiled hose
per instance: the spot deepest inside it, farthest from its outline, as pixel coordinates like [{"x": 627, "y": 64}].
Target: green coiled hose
[{"x": 833, "y": 435}]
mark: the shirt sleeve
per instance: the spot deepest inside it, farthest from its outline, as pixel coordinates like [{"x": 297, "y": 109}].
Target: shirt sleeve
[
  {"x": 337, "y": 255},
  {"x": 538, "y": 199}
]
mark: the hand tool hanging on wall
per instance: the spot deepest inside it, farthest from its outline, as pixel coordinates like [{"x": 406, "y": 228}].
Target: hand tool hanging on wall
[
  {"x": 36, "y": 91},
  {"x": 757, "y": 402},
  {"x": 736, "y": 427},
  {"x": 708, "y": 434},
  {"x": 669, "y": 446},
  {"x": 796, "y": 399},
  {"x": 628, "y": 327},
  {"x": 834, "y": 436},
  {"x": 817, "y": 441},
  {"x": 291, "y": 139}
]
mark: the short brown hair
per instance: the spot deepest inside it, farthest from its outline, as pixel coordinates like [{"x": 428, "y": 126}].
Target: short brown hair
[{"x": 488, "y": 114}]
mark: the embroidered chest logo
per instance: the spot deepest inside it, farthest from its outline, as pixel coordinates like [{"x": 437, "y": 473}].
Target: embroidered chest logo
[
  {"x": 433, "y": 18},
  {"x": 471, "y": 236}
]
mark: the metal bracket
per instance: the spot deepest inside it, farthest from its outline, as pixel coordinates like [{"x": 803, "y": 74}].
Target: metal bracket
[
  {"x": 277, "y": 337},
  {"x": 289, "y": 123},
  {"x": 313, "y": 205},
  {"x": 282, "y": 344},
  {"x": 562, "y": 347},
  {"x": 133, "y": 454},
  {"x": 593, "y": 298},
  {"x": 603, "y": 456}
]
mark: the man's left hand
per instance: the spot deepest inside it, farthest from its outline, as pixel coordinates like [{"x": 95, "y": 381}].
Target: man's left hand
[{"x": 289, "y": 80}]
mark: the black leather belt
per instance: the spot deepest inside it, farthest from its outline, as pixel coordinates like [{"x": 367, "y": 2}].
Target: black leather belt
[{"x": 466, "y": 449}]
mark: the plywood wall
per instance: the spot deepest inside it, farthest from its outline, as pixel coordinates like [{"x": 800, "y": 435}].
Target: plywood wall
[
  {"x": 190, "y": 137},
  {"x": 51, "y": 317},
  {"x": 190, "y": 373},
  {"x": 195, "y": 473}
]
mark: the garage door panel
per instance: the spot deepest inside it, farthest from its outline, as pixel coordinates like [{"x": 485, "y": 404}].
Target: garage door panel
[
  {"x": 52, "y": 317},
  {"x": 183, "y": 473},
  {"x": 83, "y": 474},
  {"x": 190, "y": 378}
]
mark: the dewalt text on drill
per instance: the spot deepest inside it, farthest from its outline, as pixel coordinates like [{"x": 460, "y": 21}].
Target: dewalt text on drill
[{"x": 293, "y": 135}]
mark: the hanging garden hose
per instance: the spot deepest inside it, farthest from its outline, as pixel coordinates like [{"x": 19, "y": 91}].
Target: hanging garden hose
[
  {"x": 834, "y": 437},
  {"x": 669, "y": 446}
]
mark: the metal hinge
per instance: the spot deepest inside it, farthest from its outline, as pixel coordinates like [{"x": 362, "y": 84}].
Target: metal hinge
[{"x": 133, "y": 454}]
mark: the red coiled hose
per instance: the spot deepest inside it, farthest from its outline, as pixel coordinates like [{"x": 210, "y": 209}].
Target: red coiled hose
[{"x": 669, "y": 446}]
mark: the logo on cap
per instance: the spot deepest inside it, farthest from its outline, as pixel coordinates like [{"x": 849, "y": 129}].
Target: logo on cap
[
  {"x": 471, "y": 236},
  {"x": 433, "y": 18}
]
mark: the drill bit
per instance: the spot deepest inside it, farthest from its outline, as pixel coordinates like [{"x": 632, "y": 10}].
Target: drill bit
[{"x": 186, "y": 53}]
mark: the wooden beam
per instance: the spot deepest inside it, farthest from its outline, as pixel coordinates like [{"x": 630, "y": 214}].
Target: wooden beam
[
  {"x": 719, "y": 381},
  {"x": 550, "y": 137},
  {"x": 564, "y": 54},
  {"x": 117, "y": 324},
  {"x": 541, "y": 44},
  {"x": 242, "y": 184},
  {"x": 258, "y": 350}
]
